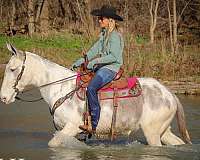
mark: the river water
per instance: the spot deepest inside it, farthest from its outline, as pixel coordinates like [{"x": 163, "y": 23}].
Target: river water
[{"x": 26, "y": 128}]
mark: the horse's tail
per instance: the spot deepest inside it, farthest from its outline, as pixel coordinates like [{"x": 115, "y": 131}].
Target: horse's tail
[{"x": 181, "y": 122}]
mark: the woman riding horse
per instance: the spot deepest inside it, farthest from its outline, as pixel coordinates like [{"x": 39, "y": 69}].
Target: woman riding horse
[{"x": 106, "y": 55}]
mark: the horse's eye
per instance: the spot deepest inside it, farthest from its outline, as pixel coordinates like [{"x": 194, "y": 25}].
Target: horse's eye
[{"x": 12, "y": 70}]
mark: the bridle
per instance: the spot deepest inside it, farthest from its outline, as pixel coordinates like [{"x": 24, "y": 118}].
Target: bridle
[
  {"x": 19, "y": 75},
  {"x": 59, "y": 101}
]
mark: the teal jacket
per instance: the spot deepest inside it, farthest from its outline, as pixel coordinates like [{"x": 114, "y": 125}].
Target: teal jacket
[{"x": 108, "y": 52}]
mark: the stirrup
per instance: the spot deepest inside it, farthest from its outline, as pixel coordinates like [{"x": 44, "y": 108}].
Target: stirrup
[
  {"x": 83, "y": 127},
  {"x": 87, "y": 129}
]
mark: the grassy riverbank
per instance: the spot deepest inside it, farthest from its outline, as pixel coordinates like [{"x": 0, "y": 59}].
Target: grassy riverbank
[
  {"x": 61, "y": 48},
  {"x": 141, "y": 59}
]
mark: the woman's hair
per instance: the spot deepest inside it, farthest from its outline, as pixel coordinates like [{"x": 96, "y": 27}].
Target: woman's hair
[{"x": 111, "y": 25}]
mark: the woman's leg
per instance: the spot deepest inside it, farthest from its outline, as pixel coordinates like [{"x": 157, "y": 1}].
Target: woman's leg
[{"x": 102, "y": 77}]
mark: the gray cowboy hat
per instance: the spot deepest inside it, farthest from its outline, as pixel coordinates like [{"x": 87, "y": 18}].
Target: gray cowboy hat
[{"x": 108, "y": 12}]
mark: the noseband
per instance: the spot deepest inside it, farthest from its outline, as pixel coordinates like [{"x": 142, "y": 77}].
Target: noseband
[{"x": 20, "y": 75}]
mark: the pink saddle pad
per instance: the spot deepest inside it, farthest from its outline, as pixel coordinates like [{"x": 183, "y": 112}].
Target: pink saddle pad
[{"x": 131, "y": 83}]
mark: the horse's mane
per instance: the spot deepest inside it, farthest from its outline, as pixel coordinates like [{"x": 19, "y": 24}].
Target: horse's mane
[{"x": 44, "y": 60}]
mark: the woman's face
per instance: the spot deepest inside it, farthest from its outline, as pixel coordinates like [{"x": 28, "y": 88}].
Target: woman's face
[{"x": 103, "y": 21}]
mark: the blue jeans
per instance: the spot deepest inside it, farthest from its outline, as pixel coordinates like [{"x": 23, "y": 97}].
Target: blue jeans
[{"x": 102, "y": 77}]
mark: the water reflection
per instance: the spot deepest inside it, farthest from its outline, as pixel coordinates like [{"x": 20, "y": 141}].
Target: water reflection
[
  {"x": 136, "y": 152},
  {"x": 26, "y": 128},
  {"x": 64, "y": 154}
]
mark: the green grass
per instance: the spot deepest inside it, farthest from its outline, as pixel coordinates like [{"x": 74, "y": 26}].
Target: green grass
[
  {"x": 60, "y": 48},
  {"x": 145, "y": 60},
  {"x": 54, "y": 47},
  {"x": 58, "y": 41},
  {"x": 139, "y": 39}
]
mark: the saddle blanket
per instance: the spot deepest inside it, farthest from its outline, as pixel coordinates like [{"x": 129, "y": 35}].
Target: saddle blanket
[{"x": 130, "y": 88}]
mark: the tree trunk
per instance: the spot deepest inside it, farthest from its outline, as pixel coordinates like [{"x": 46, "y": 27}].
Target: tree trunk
[
  {"x": 153, "y": 14},
  {"x": 90, "y": 18},
  {"x": 1, "y": 10},
  {"x": 175, "y": 26},
  {"x": 31, "y": 25},
  {"x": 151, "y": 23},
  {"x": 39, "y": 10},
  {"x": 179, "y": 17},
  {"x": 82, "y": 17},
  {"x": 13, "y": 14},
  {"x": 170, "y": 27},
  {"x": 126, "y": 11},
  {"x": 61, "y": 7},
  {"x": 44, "y": 18}
]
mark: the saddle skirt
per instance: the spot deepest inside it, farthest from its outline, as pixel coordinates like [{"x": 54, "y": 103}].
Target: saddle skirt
[{"x": 121, "y": 88}]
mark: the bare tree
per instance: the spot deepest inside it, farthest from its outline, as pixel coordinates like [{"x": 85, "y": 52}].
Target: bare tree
[
  {"x": 85, "y": 17},
  {"x": 127, "y": 44},
  {"x": 184, "y": 8},
  {"x": 143, "y": 16},
  {"x": 1, "y": 9},
  {"x": 175, "y": 26},
  {"x": 44, "y": 17},
  {"x": 12, "y": 25},
  {"x": 153, "y": 13},
  {"x": 90, "y": 19},
  {"x": 39, "y": 10},
  {"x": 170, "y": 27},
  {"x": 31, "y": 25}
]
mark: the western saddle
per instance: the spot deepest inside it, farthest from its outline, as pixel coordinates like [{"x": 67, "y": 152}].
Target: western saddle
[{"x": 116, "y": 84}]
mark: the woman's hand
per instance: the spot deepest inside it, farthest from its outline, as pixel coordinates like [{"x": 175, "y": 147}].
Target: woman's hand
[
  {"x": 77, "y": 63},
  {"x": 91, "y": 65}
]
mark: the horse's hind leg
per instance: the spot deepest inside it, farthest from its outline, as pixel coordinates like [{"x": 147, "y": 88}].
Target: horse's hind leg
[
  {"x": 152, "y": 134},
  {"x": 153, "y": 139},
  {"x": 169, "y": 138},
  {"x": 154, "y": 129}
]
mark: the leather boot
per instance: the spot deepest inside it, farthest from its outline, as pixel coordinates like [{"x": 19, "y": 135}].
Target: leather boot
[{"x": 88, "y": 129}]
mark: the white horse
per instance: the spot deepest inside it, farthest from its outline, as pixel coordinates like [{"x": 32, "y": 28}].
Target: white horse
[{"x": 152, "y": 111}]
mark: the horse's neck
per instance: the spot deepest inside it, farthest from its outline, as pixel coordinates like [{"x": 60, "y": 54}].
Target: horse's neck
[{"x": 44, "y": 72}]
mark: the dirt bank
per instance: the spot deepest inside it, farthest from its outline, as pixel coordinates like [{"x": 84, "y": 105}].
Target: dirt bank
[{"x": 183, "y": 87}]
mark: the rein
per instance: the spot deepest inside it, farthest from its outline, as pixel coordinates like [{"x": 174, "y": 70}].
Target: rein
[
  {"x": 51, "y": 83},
  {"x": 45, "y": 85}
]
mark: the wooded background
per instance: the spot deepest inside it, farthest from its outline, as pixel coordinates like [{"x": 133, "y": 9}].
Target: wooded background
[
  {"x": 147, "y": 18},
  {"x": 162, "y": 37}
]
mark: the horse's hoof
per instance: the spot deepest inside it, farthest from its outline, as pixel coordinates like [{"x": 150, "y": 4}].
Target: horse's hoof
[
  {"x": 82, "y": 136},
  {"x": 56, "y": 141},
  {"x": 52, "y": 143}
]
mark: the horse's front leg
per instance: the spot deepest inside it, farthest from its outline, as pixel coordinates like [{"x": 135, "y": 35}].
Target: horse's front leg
[{"x": 66, "y": 137}]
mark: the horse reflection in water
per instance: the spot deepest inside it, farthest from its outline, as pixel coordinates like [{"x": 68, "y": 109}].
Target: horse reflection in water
[
  {"x": 152, "y": 111},
  {"x": 102, "y": 153}
]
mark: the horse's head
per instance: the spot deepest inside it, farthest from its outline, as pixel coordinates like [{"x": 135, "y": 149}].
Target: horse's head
[{"x": 13, "y": 76}]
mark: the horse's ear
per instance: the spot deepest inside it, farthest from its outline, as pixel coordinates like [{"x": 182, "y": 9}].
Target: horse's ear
[{"x": 12, "y": 49}]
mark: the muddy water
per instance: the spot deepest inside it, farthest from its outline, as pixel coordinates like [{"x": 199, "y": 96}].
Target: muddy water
[{"x": 26, "y": 128}]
